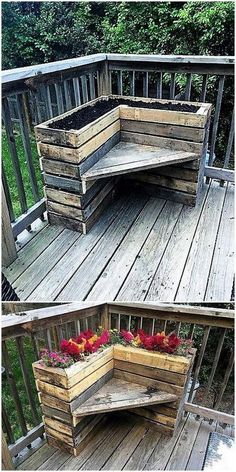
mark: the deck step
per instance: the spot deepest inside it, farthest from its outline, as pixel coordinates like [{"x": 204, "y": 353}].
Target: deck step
[
  {"x": 119, "y": 394},
  {"x": 132, "y": 157}
]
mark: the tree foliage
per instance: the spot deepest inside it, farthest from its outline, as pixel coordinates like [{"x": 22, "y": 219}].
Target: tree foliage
[{"x": 37, "y": 32}]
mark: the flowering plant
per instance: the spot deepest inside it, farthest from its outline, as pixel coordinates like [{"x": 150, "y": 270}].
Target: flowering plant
[
  {"x": 88, "y": 342},
  {"x": 56, "y": 359}
]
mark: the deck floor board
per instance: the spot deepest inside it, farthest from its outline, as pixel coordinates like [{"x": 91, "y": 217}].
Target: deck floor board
[
  {"x": 142, "y": 249},
  {"x": 121, "y": 443}
]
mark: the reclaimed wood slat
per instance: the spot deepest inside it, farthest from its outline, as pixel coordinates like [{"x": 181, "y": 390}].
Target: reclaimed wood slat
[
  {"x": 131, "y": 157},
  {"x": 164, "y": 130},
  {"x": 162, "y": 116},
  {"x": 121, "y": 395},
  {"x": 166, "y": 143}
]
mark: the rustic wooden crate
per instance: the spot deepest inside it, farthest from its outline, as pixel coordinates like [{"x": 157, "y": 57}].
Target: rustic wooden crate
[
  {"x": 63, "y": 391},
  {"x": 67, "y": 155}
]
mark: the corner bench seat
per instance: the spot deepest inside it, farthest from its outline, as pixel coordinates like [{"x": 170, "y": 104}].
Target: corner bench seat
[
  {"x": 119, "y": 394},
  {"x": 127, "y": 157}
]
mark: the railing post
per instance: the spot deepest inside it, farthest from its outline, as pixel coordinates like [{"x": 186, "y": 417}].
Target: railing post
[
  {"x": 9, "y": 253},
  {"x": 7, "y": 463},
  {"x": 104, "y": 82}
]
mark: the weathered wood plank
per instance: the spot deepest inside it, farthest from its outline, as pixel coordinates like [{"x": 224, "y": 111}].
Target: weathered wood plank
[
  {"x": 132, "y": 157},
  {"x": 120, "y": 395},
  {"x": 80, "y": 285},
  {"x": 66, "y": 267},
  {"x": 119, "y": 266},
  {"x": 162, "y": 116},
  {"x": 163, "y": 129},
  {"x": 175, "y": 144},
  {"x": 143, "y": 270},
  {"x": 220, "y": 282},
  {"x": 154, "y": 373},
  {"x": 199, "y": 260},
  {"x": 166, "y": 279}
]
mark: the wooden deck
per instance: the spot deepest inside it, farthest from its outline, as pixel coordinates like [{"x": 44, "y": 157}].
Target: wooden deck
[
  {"x": 143, "y": 248},
  {"x": 119, "y": 443}
]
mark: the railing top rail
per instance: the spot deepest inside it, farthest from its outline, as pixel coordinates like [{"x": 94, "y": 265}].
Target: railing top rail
[
  {"x": 18, "y": 324},
  {"x": 21, "y": 73},
  {"x": 182, "y": 59}
]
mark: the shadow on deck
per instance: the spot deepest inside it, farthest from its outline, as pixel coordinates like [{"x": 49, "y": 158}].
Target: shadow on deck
[
  {"x": 119, "y": 443},
  {"x": 143, "y": 248}
]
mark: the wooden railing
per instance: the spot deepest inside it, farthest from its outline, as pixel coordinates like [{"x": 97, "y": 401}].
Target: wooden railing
[
  {"x": 36, "y": 93},
  {"x": 210, "y": 328}
]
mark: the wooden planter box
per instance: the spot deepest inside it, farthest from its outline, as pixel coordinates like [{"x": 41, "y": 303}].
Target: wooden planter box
[
  {"x": 148, "y": 384},
  {"x": 160, "y": 149}
]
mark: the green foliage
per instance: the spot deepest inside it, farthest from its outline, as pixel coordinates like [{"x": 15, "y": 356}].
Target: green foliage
[
  {"x": 8, "y": 167},
  {"x": 6, "y": 392},
  {"x": 36, "y": 32}
]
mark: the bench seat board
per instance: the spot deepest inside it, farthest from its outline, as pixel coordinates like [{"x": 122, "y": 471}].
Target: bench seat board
[
  {"x": 128, "y": 157},
  {"x": 118, "y": 395}
]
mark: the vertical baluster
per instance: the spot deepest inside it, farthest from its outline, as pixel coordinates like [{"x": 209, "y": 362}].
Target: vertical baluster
[
  {"x": 77, "y": 91},
  {"x": 27, "y": 147},
  {"x": 132, "y": 83},
  {"x": 118, "y": 322},
  {"x": 49, "y": 101},
  {"x": 145, "y": 84},
  {"x": 159, "y": 85},
  {"x": 204, "y": 88},
  {"x": 60, "y": 332},
  {"x": 225, "y": 380},
  {"x": 215, "y": 363},
  {"x": 91, "y": 86},
  {"x": 77, "y": 324},
  {"x": 44, "y": 96},
  {"x": 7, "y": 194},
  {"x": 129, "y": 323},
  {"x": 187, "y": 93},
  {"x": 141, "y": 323},
  {"x": 59, "y": 97},
  {"x": 7, "y": 425},
  {"x": 153, "y": 326},
  {"x": 86, "y": 323},
  {"x": 177, "y": 328},
  {"x": 84, "y": 88},
  {"x": 55, "y": 338},
  {"x": 26, "y": 378},
  {"x": 14, "y": 154},
  {"x": 165, "y": 326},
  {"x": 35, "y": 345},
  {"x": 191, "y": 331},
  {"x": 14, "y": 391},
  {"x": 229, "y": 146},
  {"x": 172, "y": 85},
  {"x": 48, "y": 339},
  {"x": 36, "y": 108},
  {"x": 199, "y": 362},
  {"x": 216, "y": 120},
  {"x": 120, "y": 82},
  {"x": 67, "y": 94}
]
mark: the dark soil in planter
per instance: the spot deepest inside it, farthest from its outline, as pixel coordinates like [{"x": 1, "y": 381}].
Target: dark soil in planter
[{"x": 90, "y": 113}]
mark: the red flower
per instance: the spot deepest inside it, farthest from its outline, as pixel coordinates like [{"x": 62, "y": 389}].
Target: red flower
[
  {"x": 127, "y": 335},
  {"x": 87, "y": 334}
]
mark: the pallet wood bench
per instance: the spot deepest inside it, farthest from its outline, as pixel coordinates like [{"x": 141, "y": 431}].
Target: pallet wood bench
[
  {"x": 149, "y": 385},
  {"x": 159, "y": 145}
]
